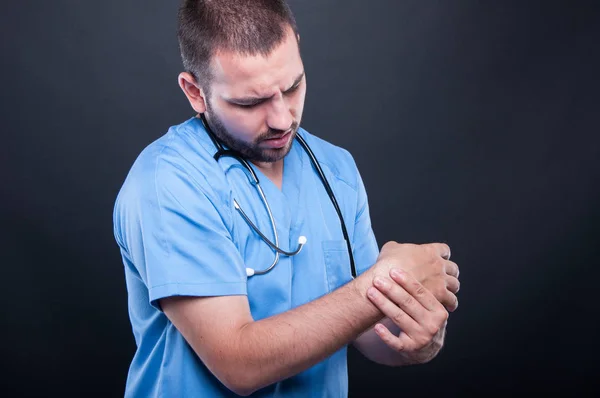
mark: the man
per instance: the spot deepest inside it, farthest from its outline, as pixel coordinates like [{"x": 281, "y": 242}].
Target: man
[{"x": 204, "y": 326}]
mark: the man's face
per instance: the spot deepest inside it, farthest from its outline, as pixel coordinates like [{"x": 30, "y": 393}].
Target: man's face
[{"x": 256, "y": 102}]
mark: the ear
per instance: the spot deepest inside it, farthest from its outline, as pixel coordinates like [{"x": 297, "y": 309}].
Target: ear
[{"x": 194, "y": 94}]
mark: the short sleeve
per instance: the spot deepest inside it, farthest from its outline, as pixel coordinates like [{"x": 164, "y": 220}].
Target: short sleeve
[
  {"x": 182, "y": 245},
  {"x": 364, "y": 244}
]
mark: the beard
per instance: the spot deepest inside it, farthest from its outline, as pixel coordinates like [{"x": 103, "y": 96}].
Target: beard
[{"x": 250, "y": 150}]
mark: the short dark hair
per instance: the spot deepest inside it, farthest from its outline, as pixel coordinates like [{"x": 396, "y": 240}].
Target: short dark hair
[{"x": 248, "y": 27}]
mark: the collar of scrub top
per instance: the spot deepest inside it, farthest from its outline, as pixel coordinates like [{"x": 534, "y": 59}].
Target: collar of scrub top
[{"x": 253, "y": 178}]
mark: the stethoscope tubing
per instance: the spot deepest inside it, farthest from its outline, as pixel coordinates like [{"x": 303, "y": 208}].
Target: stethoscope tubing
[{"x": 255, "y": 181}]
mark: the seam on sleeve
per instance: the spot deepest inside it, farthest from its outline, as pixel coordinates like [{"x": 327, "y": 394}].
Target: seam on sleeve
[
  {"x": 194, "y": 284},
  {"x": 162, "y": 291}
]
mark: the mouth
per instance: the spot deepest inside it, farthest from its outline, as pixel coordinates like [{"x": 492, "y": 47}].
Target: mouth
[
  {"x": 278, "y": 141},
  {"x": 278, "y": 136}
]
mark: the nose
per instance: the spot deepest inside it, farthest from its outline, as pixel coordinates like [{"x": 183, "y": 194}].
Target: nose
[{"x": 279, "y": 117}]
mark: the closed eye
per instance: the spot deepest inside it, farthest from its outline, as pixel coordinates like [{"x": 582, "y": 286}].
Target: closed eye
[
  {"x": 249, "y": 102},
  {"x": 246, "y": 106},
  {"x": 292, "y": 89},
  {"x": 249, "y": 105}
]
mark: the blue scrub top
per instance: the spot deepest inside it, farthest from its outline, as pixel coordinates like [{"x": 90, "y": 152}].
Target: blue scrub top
[{"x": 179, "y": 234}]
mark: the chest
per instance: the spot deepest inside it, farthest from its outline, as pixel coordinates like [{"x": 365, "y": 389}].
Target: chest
[{"x": 301, "y": 208}]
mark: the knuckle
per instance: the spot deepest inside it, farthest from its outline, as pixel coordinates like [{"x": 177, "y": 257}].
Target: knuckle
[
  {"x": 398, "y": 317},
  {"x": 407, "y": 301},
  {"x": 415, "y": 346},
  {"x": 385, "y": 289},
  {"x": 390, "y": 245},
  {"x": 443, "y": 315},
  {"x": 453, "y": 270},
  {"x": 439, "y": 265},
  {"x": 447, "y": 249},
  {"x": 451, "y": 285},
  {"x": 422, "y": 341},
  {"x": 457, "y": 284},
  {"x": 439, "y": 292},
  {"x": 375, "y": 297},
  {"x": 388, "y": 250},
  {"x": 432, "y": 329},
  {"x": 419, "y": 289},
  {"x": 396, "y": 346}
]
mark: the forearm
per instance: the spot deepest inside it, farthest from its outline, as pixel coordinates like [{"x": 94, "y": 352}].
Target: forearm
[{"x": 278, "y": 347}]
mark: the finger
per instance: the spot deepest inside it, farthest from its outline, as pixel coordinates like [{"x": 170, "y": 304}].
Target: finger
[
  {"x": 451, "y": 268},
  {"x": 450, "y": 301},
  {"x": 442, "y": 249},
  {"x": 394, "y": 312},
  {"x": 401, "y": 298},
  {"x": 398, "y": 343},
  {"x": 452, "y": 284},
  {"x": 415, "y": 289}
]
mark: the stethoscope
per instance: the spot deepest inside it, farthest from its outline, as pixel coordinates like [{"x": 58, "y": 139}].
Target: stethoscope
[{"x": 253, "y": 178}]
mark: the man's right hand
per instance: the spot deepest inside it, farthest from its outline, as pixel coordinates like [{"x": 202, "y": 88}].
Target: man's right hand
[{"x": 429, "y": 264}]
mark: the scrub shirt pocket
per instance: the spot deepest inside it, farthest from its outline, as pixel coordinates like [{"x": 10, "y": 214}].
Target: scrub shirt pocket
[{"x": 337, "y": 263}]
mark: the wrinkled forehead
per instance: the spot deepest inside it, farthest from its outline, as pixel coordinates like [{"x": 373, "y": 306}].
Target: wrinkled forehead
[{"x": 235, "y": 74}]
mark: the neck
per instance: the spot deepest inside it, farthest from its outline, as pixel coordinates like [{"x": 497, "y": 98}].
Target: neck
[{"x": 273, "y": 171}]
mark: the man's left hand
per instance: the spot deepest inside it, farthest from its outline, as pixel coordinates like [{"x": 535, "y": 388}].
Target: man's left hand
[{"x": 412, "y": 308}]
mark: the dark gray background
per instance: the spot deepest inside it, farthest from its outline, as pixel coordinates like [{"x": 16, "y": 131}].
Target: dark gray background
[{"x": 473, "y": 123}]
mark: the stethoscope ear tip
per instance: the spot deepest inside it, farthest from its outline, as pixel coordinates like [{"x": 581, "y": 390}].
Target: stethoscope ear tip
[
  {"x": 249, "y": 272},
  {"x": 302, "y": 240}
]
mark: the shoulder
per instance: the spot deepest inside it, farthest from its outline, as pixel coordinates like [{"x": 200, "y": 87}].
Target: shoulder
[
  {"x": 179, "y": 161},
  {"x": 184, "y": 150},
  {"x": 337, "y": 160}
]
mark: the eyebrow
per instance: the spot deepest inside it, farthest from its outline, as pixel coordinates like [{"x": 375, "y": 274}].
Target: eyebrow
[{"x": 256, "y": 100}]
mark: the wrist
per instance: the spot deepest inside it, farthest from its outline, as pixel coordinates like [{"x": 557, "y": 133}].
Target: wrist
[{"x": 361, "y": 284}]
